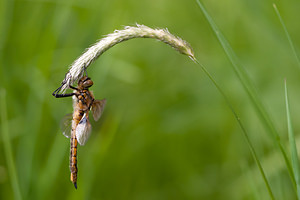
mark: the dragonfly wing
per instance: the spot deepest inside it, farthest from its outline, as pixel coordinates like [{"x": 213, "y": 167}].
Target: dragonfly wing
[
  {"x": 83, "y": 130},
  {"x": 66, "y": 125},
  {"x": 97, "y": 108}
]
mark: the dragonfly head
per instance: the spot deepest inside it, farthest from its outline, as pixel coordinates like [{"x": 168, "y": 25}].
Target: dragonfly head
[{"x": 85, "y": 82}]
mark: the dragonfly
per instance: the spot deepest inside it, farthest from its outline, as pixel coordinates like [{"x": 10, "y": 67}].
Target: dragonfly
[{"x": 83, "y": 102}]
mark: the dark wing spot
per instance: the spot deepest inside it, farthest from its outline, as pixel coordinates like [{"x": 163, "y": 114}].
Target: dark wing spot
[{"x": 83, "y": 120}]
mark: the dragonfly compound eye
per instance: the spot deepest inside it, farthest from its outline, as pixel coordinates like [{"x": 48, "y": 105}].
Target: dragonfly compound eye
[{"x": 88, "y": 83}]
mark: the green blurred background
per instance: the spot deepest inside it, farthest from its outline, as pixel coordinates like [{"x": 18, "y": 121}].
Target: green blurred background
[{"x": 166, "y": 132}]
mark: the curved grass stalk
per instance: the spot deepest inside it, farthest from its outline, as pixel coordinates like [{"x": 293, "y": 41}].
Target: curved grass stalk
[{"x": 77, "y": 69}]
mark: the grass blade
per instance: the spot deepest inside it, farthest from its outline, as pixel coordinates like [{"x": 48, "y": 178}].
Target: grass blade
[
  {"x": 249, "y": 88},
  {"x": 287, "y": 34},
  {"x": 7, "y": 147},
  {"x": 253, "y": 153},
  {"x": 49, "y": 172},
  {"x": 294, "y": 154}
]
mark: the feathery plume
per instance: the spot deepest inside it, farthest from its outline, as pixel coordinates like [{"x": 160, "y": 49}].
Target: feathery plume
[{"x": 77, "y": 69}]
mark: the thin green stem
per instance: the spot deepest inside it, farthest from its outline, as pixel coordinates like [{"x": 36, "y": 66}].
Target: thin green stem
[
  {"x": 242, "y": 127},
  {"x": 287, "y": 34},
  {"x": 294, "y": 154},
  {"x": 249, "y": 88}
]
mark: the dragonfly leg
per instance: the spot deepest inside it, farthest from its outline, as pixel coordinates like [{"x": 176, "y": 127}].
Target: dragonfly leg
[
  {"x": 63, "y": 95},
  {"x": 74, "y": 88},
  {"x": 55, "y": 93}
]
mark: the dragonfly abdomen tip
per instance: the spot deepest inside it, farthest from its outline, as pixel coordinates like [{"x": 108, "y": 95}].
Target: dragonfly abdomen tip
[{"x": 75, "y": 185}]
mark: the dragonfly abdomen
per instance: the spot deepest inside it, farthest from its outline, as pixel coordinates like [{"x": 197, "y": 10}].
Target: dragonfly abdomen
[
  {"x": 73, "y": 160},
  {"x": 74, "y": 143}
]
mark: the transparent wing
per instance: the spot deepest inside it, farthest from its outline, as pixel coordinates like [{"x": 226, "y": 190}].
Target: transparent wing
[
  {"x": 66, "y": 125},
  {"x": 83, "y": 129},
  {"x": 97, "y": 108}
]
